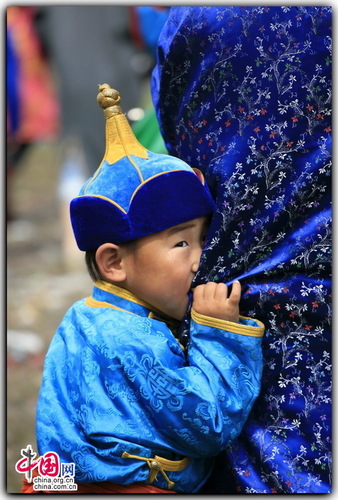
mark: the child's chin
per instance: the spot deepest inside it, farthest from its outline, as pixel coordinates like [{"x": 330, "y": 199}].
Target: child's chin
[
  {"x": 181, "y": 314},
  {"x": 178, "y": 313}
]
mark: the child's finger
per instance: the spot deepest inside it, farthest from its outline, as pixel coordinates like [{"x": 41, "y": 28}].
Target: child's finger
[
  {"x": 209, "y": 290},
  {"x": 198, "y": 292},
  {"x": 221, "y": 292},
  {"x": 236, "y": 291}
]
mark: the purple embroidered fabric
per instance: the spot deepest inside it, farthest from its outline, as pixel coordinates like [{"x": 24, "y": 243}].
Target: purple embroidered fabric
[{"x": 244, "y": 94}]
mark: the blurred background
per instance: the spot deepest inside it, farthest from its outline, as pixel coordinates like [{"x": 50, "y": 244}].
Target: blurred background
[{"x": 55, "y": 58}]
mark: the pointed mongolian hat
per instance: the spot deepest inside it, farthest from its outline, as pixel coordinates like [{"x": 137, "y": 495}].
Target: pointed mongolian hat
[{"x": 134, "y": 192}]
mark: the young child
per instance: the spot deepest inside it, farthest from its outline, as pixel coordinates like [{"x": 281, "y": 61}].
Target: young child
[{"x": 120, "y": 398}]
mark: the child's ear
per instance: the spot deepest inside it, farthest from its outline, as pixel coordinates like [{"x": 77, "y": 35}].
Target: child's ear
[{"x": 109, "y": 261}]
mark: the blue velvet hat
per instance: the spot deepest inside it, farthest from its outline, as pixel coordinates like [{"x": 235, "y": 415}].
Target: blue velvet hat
[{"x": 134, "y": 192}]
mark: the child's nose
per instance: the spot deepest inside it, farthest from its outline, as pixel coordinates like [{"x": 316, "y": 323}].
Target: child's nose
[{"x": 196, "y": 260}]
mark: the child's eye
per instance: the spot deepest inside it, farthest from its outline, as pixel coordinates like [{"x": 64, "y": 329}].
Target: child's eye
[{"x": 181, "y": 244}]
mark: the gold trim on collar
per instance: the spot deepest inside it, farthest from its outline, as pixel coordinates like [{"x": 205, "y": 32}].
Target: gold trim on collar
[
  {"x": 90, "y": 302},
  {"x": 170, "y": 322},
  {"x": 127, "y": 295},
  {"x": 121, "y": 292}
]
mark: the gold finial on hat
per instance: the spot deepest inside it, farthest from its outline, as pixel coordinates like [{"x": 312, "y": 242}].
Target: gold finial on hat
[
  {"x": 109, "y": 99},
  {"x": 120, "y": 139}
]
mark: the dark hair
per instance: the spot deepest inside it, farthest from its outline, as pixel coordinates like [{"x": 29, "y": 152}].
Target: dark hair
[
  {"x": 92, "y": 267},
  {"x": 91, "y": 263}
]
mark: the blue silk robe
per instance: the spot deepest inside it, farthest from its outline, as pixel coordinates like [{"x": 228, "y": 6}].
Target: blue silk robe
[
  {"x": 117, "y": 380},
  {"x": 244, "y": 94}
]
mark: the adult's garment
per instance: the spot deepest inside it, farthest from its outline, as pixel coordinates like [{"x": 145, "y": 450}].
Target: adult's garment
[
  {"x": 120, "y": 397},
  {"x": 244, "y": 94}
]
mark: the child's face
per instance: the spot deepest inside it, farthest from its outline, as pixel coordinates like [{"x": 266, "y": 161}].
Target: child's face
[{"x": 161, "y": 269}]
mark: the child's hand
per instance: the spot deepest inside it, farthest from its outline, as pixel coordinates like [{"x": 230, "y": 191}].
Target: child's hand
[{"x": 212, "y": 300}]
